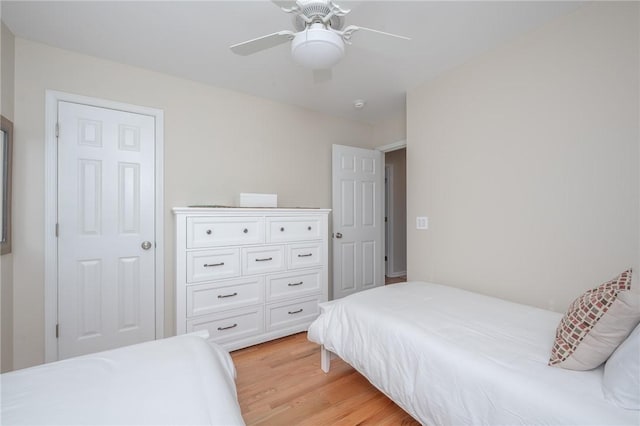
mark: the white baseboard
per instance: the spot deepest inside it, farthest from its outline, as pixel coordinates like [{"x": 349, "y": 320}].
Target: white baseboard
[{"x": 397, "y": 274}]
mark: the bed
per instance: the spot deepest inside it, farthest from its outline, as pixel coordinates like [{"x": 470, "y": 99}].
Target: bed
[
  {"x": 449, "y": 356},
  {"x": 178, "y": 380}
]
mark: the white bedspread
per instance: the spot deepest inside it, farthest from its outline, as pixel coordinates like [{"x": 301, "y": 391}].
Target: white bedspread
[
  {"x": 180, "y": 380},
  {"x": 452, "y": 357}
]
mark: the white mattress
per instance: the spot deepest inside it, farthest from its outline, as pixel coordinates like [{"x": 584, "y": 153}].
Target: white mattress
[
  {"x": 452, "y": 357},
  {"x": 180, "y": 380}
]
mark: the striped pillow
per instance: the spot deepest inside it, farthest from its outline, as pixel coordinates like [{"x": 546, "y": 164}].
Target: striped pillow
[{"x": 595, "y": 324}]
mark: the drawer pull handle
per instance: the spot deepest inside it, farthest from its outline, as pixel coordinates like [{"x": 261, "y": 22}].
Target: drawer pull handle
[
  {"x": 295, "y": 312},
  {"x": 305, "y": 255},
  {"x": 245, "y": 230},
  {"x": 208, "y": 231},
  {"x": 282, "y": 229},
  {"x": 266, "y": 259},
  {"x": 295, "y": 284},
  {"x": 222, "y": 296},
  {"x": 209, "y": 265},
  {"x": 227, "y": 328},
  {"x": 308, "y": 228}
]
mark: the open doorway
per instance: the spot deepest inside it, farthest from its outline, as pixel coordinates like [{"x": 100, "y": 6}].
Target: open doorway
[{"x": 395, "y": 215}]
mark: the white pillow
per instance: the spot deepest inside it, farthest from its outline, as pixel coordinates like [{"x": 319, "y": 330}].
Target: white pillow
[{"x": 621, "y": 381}]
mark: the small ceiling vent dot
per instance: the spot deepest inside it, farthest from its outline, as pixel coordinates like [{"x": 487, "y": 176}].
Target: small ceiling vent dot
[{"x": 358, "y": 104}]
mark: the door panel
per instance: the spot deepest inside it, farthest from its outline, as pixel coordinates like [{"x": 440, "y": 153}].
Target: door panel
[
  {"x": 128, "y": 293},
  {"x": 347, "y": 269},
  {"x": 129, "y": 198},
  {"x": 357, "y": 219},
  {"x": 369, "y": 264},
  {"x": 89, "y": 298},
  {"x": 347, "y": 203},
  {"x": 106, "y": 198},
  {"x": 369, "y": 198}
]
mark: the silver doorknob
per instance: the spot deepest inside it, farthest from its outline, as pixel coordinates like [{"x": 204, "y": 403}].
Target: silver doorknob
[
  {"x": 146, "y": 245},
  {"x": 338, "y": 235}
]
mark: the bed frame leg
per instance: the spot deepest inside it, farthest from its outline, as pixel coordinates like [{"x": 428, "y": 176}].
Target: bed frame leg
[{"x": 325, "y": 359}]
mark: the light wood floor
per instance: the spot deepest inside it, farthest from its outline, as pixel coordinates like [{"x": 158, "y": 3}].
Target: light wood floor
[{"x": 280, "y": 383}]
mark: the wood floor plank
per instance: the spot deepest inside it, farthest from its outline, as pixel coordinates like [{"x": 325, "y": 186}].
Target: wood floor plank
[{"x": 281, "y": 383}]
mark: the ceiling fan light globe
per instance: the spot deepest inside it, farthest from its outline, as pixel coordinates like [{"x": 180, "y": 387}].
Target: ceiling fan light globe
[{"x": 317, "y": 48}]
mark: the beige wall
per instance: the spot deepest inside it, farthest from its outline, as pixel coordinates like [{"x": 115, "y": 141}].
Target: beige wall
[
  {"x": 8, "y": 50},
  {"x": 526, "y": 162},
  {"x": 397, "y": 264},
  {"x": 390, "y": 130},
  {"x": 7, "y": 44},
  {"x": 217, "y": 144}
]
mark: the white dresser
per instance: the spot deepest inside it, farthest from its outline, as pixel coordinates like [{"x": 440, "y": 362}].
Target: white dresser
[{"x": 249, "y": 275}]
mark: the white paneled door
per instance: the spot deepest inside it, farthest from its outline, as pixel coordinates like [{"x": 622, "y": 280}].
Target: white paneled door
[
  {"x": 106, "y": 229},
  {"x": 358, "y": 255}
]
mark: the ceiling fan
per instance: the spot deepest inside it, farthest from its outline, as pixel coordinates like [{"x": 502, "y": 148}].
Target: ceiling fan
[{"x": 320, "y": 37}]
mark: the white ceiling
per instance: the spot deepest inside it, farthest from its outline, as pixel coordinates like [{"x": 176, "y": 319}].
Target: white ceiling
[{"x": 192, "y": 39}]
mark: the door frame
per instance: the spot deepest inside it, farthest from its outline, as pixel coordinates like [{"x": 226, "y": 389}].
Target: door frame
[
  {"x": 389, "y": 217},
  {"x": 388, "y": 148},
  {"x": 52, "y": 98}
]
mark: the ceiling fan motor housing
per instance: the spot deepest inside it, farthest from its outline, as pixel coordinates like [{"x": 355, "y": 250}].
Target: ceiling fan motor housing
[
  {"x": 315, "y": 10},
  {"x": 317, "y": 48}
]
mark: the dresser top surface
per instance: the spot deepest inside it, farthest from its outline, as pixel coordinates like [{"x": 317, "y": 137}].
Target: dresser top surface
[{"x": 202, "y": 209}]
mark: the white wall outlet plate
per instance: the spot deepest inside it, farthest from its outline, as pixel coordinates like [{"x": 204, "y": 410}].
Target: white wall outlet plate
[{"x": 422, "y": 222}]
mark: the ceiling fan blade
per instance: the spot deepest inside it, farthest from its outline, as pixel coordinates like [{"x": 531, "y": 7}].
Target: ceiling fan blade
[
  {"x": 262, "y": 43},
  {"x": 287, "y": 5},
  {"x": 373, "y": 39},
  {"x": 322, "y": 76}
]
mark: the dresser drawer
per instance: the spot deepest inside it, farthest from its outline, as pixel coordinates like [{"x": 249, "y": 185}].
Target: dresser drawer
[
  {"x": 213, "y": 265},
  {"x": 257, "y": 260},
  {"x": 203, "y": 232},
  {"x": 231, "y": 325},
  {"x": 304, "y": 255},
  {"x": 293, "y": 284},
  {"x": 208, "y": 298},
  {"x": 284, "y": 229},
  {"x": 282, "y": 315}
]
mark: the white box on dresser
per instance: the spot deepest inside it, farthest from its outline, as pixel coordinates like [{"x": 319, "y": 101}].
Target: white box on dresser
[{"x": 249, "y": 275}]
